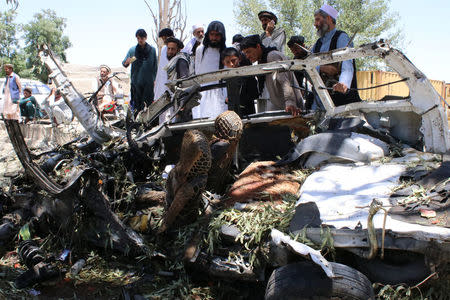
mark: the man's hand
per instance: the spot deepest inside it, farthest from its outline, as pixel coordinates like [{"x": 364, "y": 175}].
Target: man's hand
[
  {"x": 340, "y": 87},
  {"x": 270, "y": 27},
  {"x": 128, "y": 61},
  {"x": 295, "y": 111}
]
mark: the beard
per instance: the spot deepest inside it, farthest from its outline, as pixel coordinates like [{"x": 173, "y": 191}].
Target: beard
[
  {"x": 214, "y": 44},
  {"x": 322, "y": 30},
  {"x": 199, "y": 39},
  {"x": 264, "y": 26},
  {"x": 169, "y": 57}
]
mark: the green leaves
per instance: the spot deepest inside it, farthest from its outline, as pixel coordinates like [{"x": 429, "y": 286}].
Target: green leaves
[
  {"x": 24, "y": 232},
  {"x": 45, "y": 28}
]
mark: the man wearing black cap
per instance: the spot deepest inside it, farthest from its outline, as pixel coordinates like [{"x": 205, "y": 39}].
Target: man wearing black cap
[
  {"x": 272, "y": 36},
  {"x": 279, "y": 85},
  {"x": 297, "y": 46},
  {"x": 207, "y": 59},
  {"x": 161, "y": 75}
]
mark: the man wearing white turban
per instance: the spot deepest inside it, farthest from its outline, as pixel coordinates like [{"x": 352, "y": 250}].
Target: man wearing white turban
[
  {"x": 339, "y": 76},
  {"x": 198, "y": 31}
]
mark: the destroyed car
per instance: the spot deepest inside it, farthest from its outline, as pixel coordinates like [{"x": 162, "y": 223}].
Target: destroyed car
[{"x": 346, "y": 205}]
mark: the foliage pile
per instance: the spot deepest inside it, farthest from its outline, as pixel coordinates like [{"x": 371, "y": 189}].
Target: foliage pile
[{"x": 254, "y": 225}]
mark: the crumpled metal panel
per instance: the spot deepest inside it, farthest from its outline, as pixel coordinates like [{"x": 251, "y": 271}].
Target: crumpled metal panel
[{"x": 82, "y": 109}]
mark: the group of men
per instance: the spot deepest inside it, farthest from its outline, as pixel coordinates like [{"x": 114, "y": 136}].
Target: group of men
[
  {"x": 207, "y": 52},
  {"x": 26, "y": 107}
]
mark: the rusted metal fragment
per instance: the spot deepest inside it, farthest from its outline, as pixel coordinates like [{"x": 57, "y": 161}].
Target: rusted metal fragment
[
  {"x": 263, "y": 181},
  {"x": 188, "y": 179},
  {"x": 150, "y": 198},
  {"x": 223, "y": 148}
]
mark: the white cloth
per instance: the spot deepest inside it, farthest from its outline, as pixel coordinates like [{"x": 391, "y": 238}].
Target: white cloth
[
  {"x": 57, "y": 111},
  {"x": 106, "y": 88},
  {"x": 161, "y": 74},
  {"x": 10, "y": 110},
  {"x": 212, "y": 102},
  {"x": 188, "y": 48}
]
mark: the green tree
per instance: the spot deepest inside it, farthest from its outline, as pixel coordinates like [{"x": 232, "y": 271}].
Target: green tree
[
  {"x": 45, "y": 28},
  {"x": 9, "y": 47},
  {"x": 8, "y": 30},
  {"x": 246, "y": 15},
  {"x": 369, "y": 19}
]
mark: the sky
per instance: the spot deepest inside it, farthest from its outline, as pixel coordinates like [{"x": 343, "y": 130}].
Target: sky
[{"x": 102, "y": 31}]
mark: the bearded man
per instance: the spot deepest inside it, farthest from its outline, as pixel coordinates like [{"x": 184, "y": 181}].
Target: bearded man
[
  {"x": 207, "y": 59},
  {"x": 339, "y": 76},
  {"x": 176, "y": 68},
  {"x": 272, "y": 36},
  {"x": 198, "y": 32}
]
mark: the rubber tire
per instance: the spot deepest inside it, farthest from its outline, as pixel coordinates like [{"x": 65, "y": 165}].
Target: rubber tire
[
  {"x": 306, "y": 280},
  {"x": 409, "y": 269}
]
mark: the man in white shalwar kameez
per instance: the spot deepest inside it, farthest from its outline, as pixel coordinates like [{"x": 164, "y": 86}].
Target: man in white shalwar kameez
[
  {"x": 207, "y": 59},
  {"x": 161, "y": 74},
  {"x": 198, "y": 32}
]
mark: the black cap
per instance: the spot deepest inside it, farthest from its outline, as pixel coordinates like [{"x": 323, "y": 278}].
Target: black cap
[
  {"x": 165, "y": 32},
  {"x": 268, "y": 14},
  {"x": 296, "y": 39}
]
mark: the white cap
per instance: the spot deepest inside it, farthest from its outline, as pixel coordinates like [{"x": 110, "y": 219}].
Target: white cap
[
  {"x": 330, "y": 11},
  {"x": 197, "y": 26}
]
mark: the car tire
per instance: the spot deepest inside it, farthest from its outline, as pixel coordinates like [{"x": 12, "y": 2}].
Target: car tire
[
  {"x": 306, "y": 280},
  {"x": 407, "y": 268}
]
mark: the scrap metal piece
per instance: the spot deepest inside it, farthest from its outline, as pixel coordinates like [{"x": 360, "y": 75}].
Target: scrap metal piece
[
  {"x": 82, "y": 109},
  {"x": 423, "y": 100},
  {"x": 25, "y": 157},
  {"x": 280, "y": 239},
  {"x": 235, "y": 268},
  {"x": 336, "y": 144}
]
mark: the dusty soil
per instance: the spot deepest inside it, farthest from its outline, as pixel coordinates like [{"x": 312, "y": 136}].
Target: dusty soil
[{"x": 82, "y": 77}]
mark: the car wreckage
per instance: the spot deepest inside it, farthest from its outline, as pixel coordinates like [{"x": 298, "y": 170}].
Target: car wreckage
[{"x": 264, "y": 199}]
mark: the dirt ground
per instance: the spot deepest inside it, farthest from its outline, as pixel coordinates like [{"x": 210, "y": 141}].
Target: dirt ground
[{"x": 82, "y": 77}]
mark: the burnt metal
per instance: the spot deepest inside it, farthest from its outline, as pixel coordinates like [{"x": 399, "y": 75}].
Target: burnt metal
[
  {"x": 38, "y": 267},
  {"x": 333, "y": 143}
]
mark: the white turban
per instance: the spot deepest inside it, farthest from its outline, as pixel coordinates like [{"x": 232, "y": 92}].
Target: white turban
[
  {"x": 197, "y": 26},
  {"x": 330, "y": 11}
]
